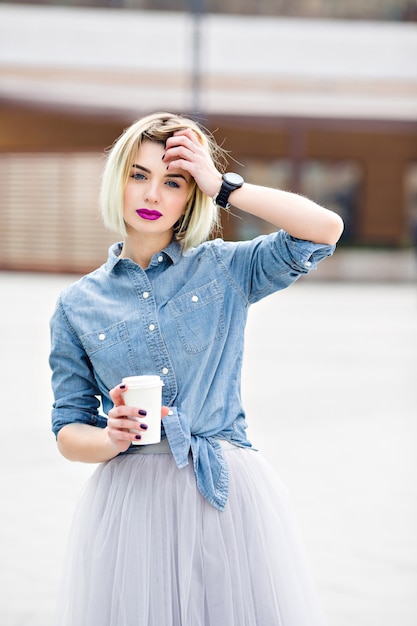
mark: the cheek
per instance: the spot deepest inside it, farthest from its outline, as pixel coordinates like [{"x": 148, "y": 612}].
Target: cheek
[
  {"x": 128, "y": 196},
  {"x": 181, "y": 206}
]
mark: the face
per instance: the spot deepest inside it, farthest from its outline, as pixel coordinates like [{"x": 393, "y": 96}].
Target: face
[{"x": 154, "y": 198}]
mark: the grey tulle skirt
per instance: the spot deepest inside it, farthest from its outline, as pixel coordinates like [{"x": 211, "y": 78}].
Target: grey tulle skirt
[{"x": 146, "y": 549}]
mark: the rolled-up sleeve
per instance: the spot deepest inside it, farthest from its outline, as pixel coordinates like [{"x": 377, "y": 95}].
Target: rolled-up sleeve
[
  {"x": 270, "y": 262},
  {"x": 73, "y": 383},
  {"x": 305, "y": 255}
]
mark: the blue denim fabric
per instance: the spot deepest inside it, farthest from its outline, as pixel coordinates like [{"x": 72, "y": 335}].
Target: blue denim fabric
[{"x": 182, "y": 318}]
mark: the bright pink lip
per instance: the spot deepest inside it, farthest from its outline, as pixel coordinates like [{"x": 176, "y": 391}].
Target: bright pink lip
[{"x": 147, "y": 214}]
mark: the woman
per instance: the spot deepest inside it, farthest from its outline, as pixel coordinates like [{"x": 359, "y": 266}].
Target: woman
[{"x": 196, "y": 530}]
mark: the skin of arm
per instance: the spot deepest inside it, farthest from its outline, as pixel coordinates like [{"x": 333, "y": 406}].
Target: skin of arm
[
  {"x": 300, "y": 217},
  {"x": 91, "y": 444}
]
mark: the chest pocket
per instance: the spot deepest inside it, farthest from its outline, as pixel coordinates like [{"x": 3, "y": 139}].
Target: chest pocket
[
  {"x": 110, "y": 352},
  {"x": 199, "y": 316}
]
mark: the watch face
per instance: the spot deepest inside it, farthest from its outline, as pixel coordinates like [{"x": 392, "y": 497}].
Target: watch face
[{"x": 233, "y": 179}]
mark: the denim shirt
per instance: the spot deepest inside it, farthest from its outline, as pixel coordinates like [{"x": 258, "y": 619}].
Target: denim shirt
[{"x": 182, "y": 318}]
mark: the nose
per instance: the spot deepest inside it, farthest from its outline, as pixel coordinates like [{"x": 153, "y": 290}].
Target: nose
[{"x": 152, "y": 193}]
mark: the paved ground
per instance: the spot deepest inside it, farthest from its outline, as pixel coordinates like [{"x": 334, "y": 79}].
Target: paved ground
[{"x": 330, "y": 377}]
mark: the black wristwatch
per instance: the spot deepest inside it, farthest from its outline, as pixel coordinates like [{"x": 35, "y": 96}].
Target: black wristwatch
[{"x": 230, "y": 182}]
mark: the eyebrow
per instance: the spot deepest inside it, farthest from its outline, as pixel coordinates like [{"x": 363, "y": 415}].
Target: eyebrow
[{"x": 168, "y": 174}]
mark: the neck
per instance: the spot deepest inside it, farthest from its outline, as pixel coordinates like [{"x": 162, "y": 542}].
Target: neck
[{"x": 141, "y": 250}]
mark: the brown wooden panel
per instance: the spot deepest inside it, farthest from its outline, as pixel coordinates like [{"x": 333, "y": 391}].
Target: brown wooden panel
[
  {"x": 362, "y": 145},
  {"x": 383, "y": 219},
  {"x": 40, "y": 129}
]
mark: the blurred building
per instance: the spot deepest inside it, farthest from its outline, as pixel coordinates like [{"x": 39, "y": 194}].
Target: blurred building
[{"x": 325, "y": 107}]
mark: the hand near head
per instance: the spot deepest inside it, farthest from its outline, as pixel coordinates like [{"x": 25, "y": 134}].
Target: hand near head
[
  {"x": 122, "y": 418},
  {"x": 184, "y": 150}
]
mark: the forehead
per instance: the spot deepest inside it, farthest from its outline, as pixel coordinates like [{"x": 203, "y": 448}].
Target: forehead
[{"x": 150, "y": 149}]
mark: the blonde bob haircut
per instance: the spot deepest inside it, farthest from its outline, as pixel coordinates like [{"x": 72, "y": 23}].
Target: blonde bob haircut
[{"x": 201, "y": 216}]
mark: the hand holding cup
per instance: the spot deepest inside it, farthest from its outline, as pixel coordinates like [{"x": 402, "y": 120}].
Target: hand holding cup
[{"x": 137, "y": 412}]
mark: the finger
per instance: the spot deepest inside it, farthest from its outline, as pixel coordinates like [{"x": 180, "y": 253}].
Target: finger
[
  {"x": 184, "y": 165},
  {"x": 122, "y": 410},
  {"x": 188, "y": 133},
  {"x": 125, "y": 430},
  {"x": 195, "y": 137},
  {"x": 124, "y": 423},
  {"x": 122, "y": 436},
  {"x": 116, "y": 394},
  {"x": 179, "y": 154},
  {"x": 164, "y": 411},
  {"x": 184, "y": 141}
]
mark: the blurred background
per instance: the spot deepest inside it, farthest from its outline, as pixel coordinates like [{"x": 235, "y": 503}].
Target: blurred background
[{"x": 314, "y": 96}]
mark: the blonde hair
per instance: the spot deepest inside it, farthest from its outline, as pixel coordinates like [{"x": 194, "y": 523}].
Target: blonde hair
[{"x": 201, "y": 216}]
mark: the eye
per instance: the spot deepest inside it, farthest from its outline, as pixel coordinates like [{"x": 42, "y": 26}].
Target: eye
[
  {"x": 173, "y": 184},
  {"x": 137, "y": 176}
]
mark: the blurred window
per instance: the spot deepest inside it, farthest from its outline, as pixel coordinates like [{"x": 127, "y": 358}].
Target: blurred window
[
  {"x": 335, "y": 185},
  {"x": 49, "y": 216}
]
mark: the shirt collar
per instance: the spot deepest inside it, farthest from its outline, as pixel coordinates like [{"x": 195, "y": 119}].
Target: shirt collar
[{"x": 173, "y": 251}]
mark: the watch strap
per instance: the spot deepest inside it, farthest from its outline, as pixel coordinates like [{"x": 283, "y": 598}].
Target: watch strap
[{"x": 222, "y": 198}]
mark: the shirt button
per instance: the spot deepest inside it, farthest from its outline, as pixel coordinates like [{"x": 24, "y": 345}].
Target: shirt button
[
  {"x": 160, "y": 258},
  {"x": 194, "y": 298},
  {"x": 165, "y": 370},
  {"x": 151, "y": 326},
  {"x": 307, "y": 263},
  {"x": 145, "y": 294},
  {"x": 102, "y": 336}
]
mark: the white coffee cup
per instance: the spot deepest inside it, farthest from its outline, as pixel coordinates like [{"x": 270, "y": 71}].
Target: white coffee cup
[{"x": 145, "y": 392}]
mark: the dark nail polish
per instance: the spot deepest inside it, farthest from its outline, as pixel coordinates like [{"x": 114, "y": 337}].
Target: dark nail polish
[
  {"x": 144, "y": 426},
  {"x": 163, "y": 157},
  {"x": 138, "y": 436},
  {"x": 142, "y": 412},
  {"x": 122, "y": 386}
]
